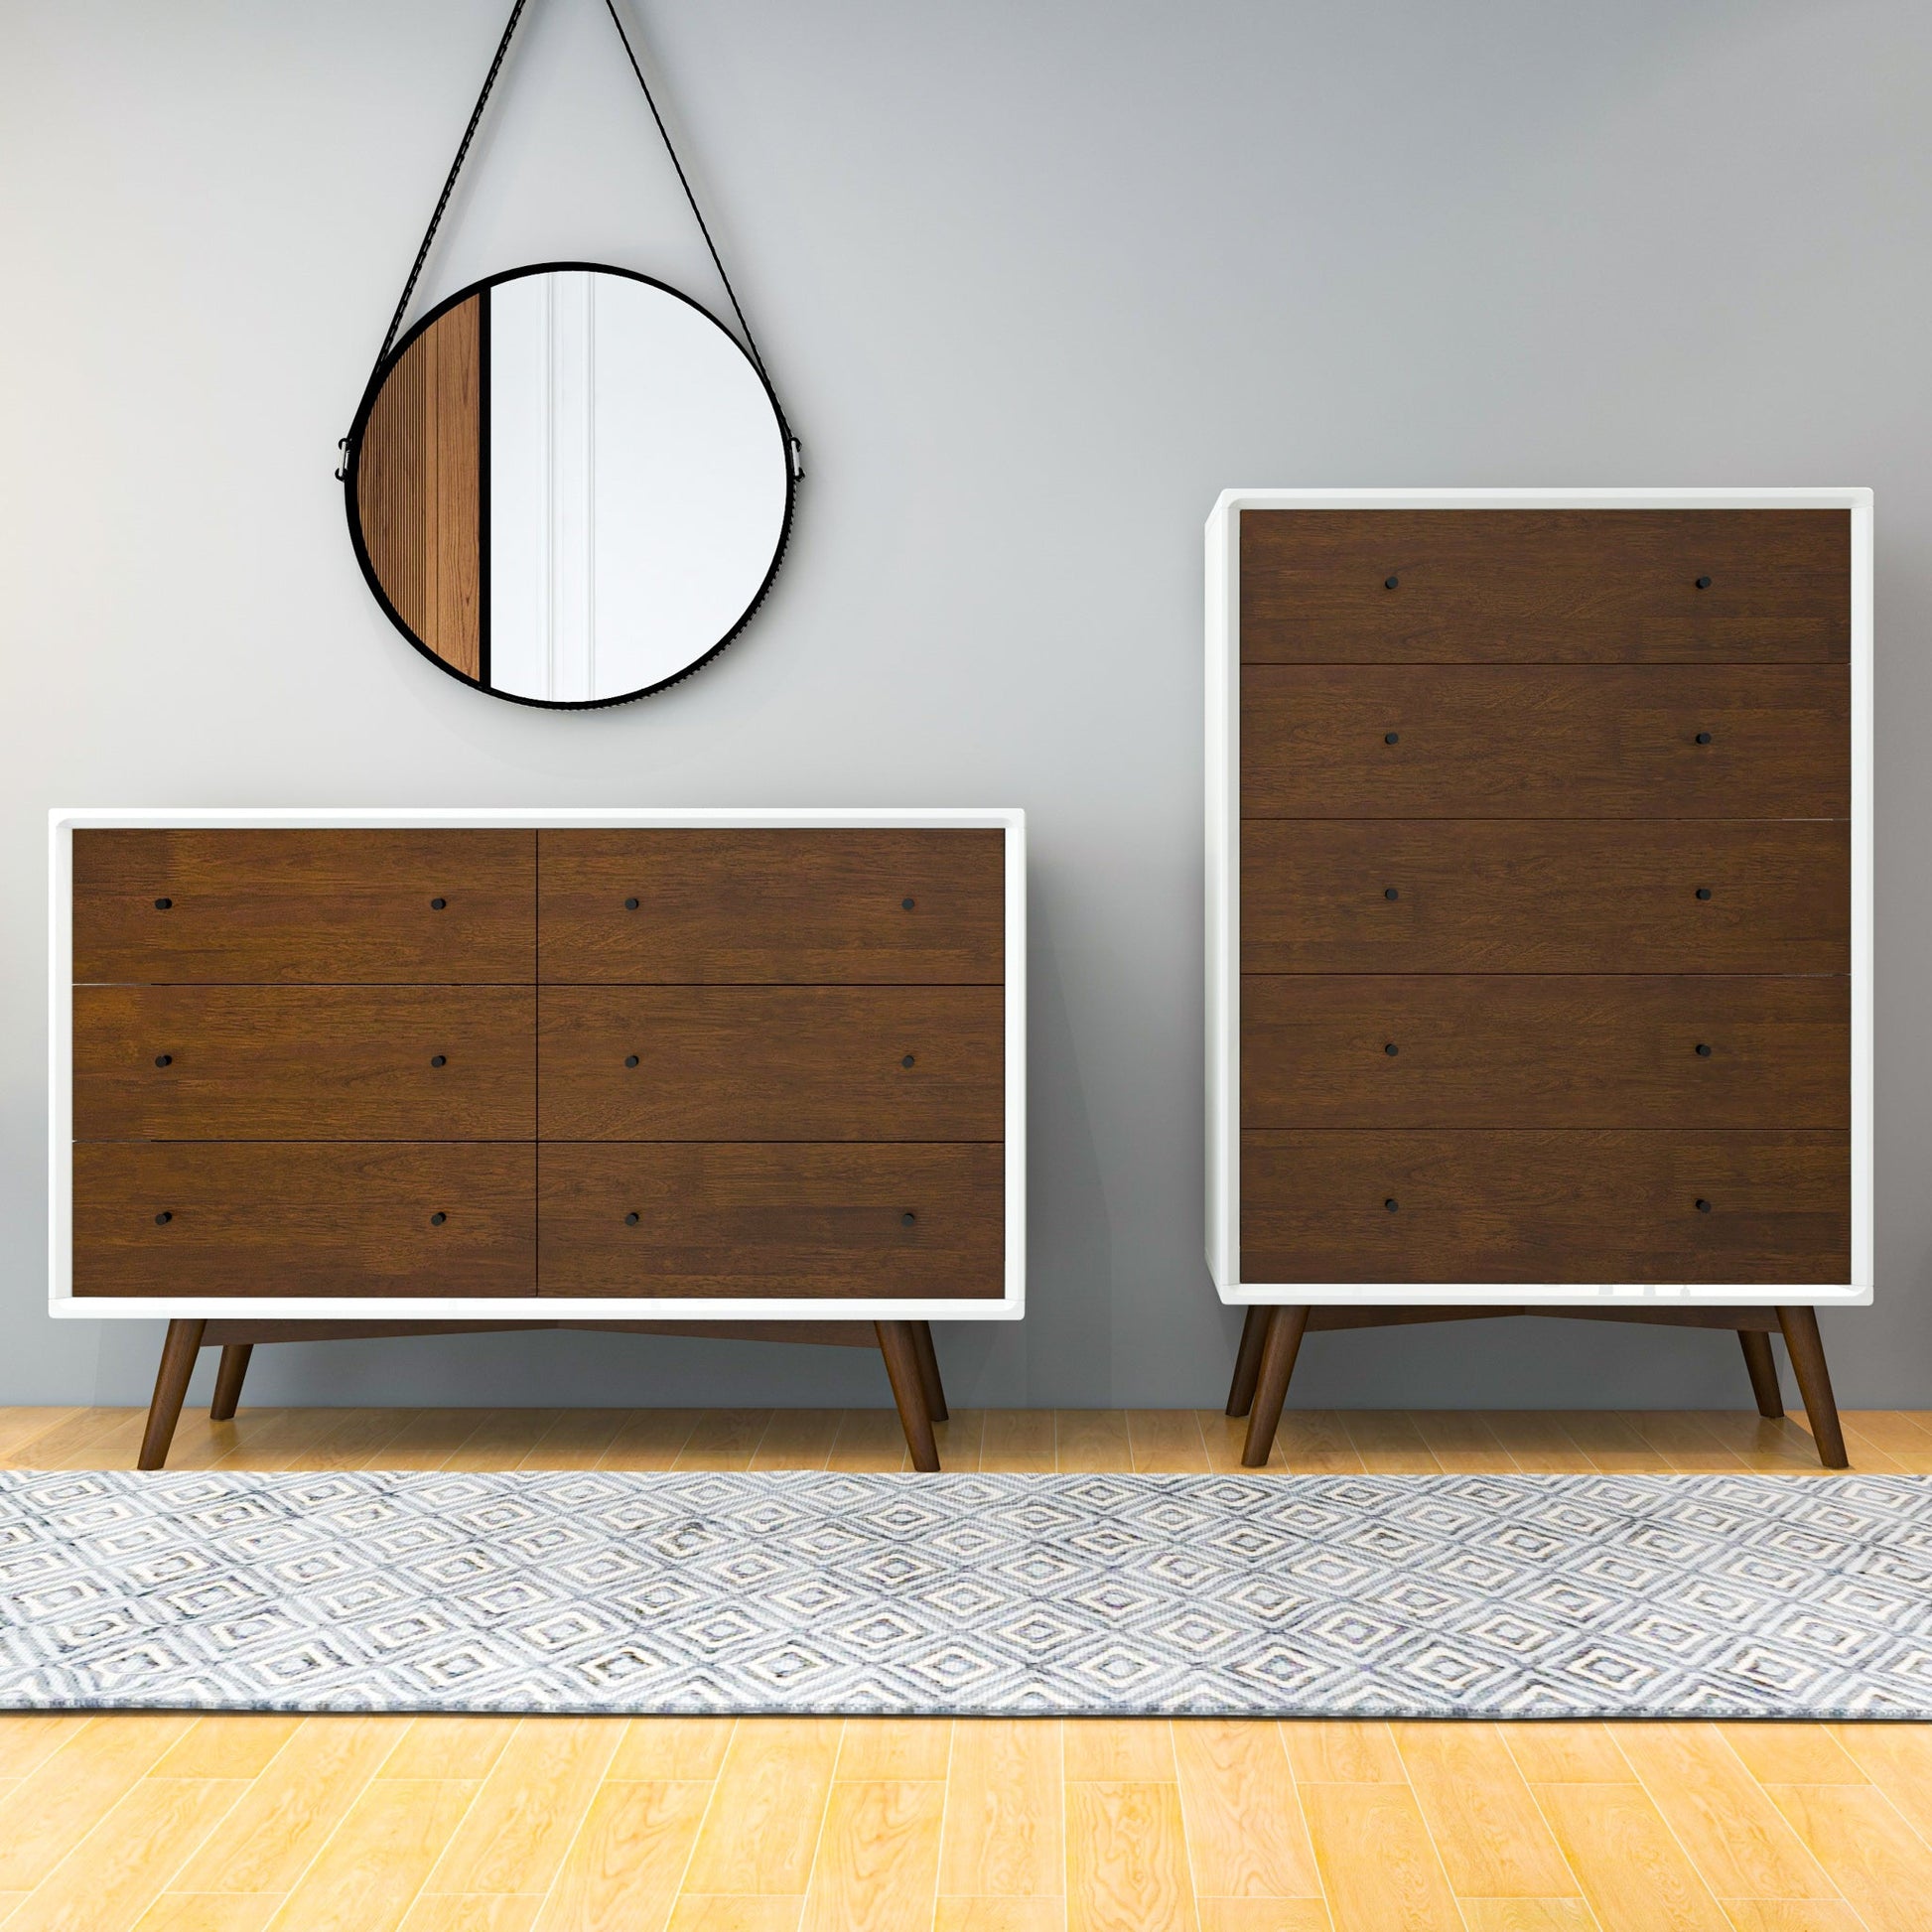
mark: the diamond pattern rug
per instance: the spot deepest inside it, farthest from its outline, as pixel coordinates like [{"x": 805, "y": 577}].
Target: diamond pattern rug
[{"x": 1446, "y": 1595}]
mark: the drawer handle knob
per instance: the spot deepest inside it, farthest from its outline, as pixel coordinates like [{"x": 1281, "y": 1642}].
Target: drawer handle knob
[
  {"x": 1704, "y": 892},
  {"x": 164, "y": 1060},
  {"x": 1704, "y": 1207},
  {"x": 1391, "y": 738},
  {"x": 630, "y": 905},
  {"x": 1392, "y": 1203},
  {"x": 1392, "y": 1050},
  {"x": 632, "y": 1220},
  {"x": 162, "y": 904},
  {"x": 905, "y": 904},
  {"x": 1389, "y": 892},
  {"x": 907, "y": 1061},
  {"x": 906, "y": 1219},
  {"x": 1704, "y": 1053},
  {"x": 1389, "y": 583},
  {"x": 439, "y": 1060},
  {"x": 1703, "y": 582},
  {"x": 437, "y": 904},
  {"x": 1704, "y": 738},
  {"x": 162, "y": 1220},
  {"x": 630, "y": 1059},
  {"x": 437, "y": 1219}
]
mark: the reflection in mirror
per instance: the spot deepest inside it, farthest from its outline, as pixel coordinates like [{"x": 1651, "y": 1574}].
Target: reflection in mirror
[{"x": 571, "y": 485}]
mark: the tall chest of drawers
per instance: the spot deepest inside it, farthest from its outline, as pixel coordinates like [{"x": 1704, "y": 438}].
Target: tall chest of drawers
[
  {"x": 1539, "y": 912},
  {"x": 545, "y": 1069}
]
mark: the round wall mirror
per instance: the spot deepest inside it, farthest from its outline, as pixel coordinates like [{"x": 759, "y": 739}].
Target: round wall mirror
[{"x": 568, "y": 485}]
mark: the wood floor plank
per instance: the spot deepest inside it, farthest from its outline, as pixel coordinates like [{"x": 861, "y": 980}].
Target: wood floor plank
[
  {"x": 959, "y": 1439},
  {"x": 1791, "y": 1915},
  {"x": 1897, "y": 1758},
  {"x": 798, "y": 1438},
  {"x": 426, "y": 1439},
  {"x": 1314, "y": 1441},
  {"x": 1167, "y": 1442},
  {"x": 1462, "y": 1441},
  {"x": 369, "y": 1872},
  {"x": 110, "y": 1876},
  {"x": 657, "y": 1751},
  {"x": 465, "y": 1747},
  {"x": 1538, "y": 1442},
  {"x": 1118, "y": 1751},
  {"x": 1890, "y": 1429},
  {"x": 360, "y": 1435},
  {"x": 1389, "y": 1443},
  {"x": 624, "y": 1864},
  {"x": 1006, "y": 1826},
  {"x": 1263, "y": 1915},
  {"x": 650, "y": 1439},
  {"x": 230, "y": 1744},
  {"x": 878, "y": 1857},
  {"x": 1127, "y": 1860},
  {"x": 1527, "y": 1915},
  {"x": 454, "y": 1912},
  {"x": 1735, "y": 1836},
  {"x": 719, "y": 1912},
  {"x": 27, "y": 1738},
  {"x": 1245, "y": 1834},
  {"x": 279, "y": 1439},
  {"x": 767, "y": 1807},
  {"x": 1378, "y": 1867},
  {"x": 576, "y": 1438},
  {"x": 1008, "y": 1915},
  {"x": 501, "y": 1439},
  {"x": 1226, "y": 1438},
  {"x": 893, "y": 1750},
  {"x": 1633, "y": 1872},
  {"x": 724, "y": 1438},
  {"x": 869, "y": 1439},
  {"x": 1684, "y": 1440},
  {"x": 77, "y": 1786},
  {"x": 205, "y": 1911},
  {"x": 1782, "y": 1753},
  {"x": 19, "y": 1429},
  {"x": 1607, "y": 1440},
  {"x": 96, "y": 1439},
  {"x": 1560, "y": 1752},
  {"x": 1017, "y": 1441},
  {"x": 1091, "y": 1439},
  {"x": 1487, "y": 1828},
  {"x": 1342, "y": 1752},
  {"x": 1877, "y": 1861},
  {"x": 529, "y": 1807}
]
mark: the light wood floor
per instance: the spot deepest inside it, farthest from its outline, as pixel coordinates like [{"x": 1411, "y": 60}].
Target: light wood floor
[{"x": 234, "y": 1824}]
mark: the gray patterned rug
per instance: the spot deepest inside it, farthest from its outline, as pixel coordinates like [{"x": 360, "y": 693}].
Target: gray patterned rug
[{"x": 1456, "y": 1596}]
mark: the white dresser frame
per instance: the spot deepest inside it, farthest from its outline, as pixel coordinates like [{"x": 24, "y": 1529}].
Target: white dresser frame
[{"x": 1224, "y": 906}]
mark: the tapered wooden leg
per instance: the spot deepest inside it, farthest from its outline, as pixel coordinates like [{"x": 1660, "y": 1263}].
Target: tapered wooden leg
[
  {"x": 1286, "y": 1327},
  {"x": 227, "y": 1380},
  {"x": 1807, "y": 1348},
  {"x": 936, "y": 1390},
  {"x": 902, "y": 1355},
  {"x": 177, "y": 1355},
  {"x": 1247, "y": 1360},
  {"x": 1763, "y": 1369}
]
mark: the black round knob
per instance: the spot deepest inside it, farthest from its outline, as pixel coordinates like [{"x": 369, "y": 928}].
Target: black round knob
[
  {"x": 162, "y": 904},
  {"x": 906, "y": 906},
  {"x": 1703, "y": 582},
  {"x": 1392, "y": 1050},
  {"x": 162, "y": 1220},
  {"x": 437, "y": 904},
  {"x": 1391, "y": 1203},
  {"x": 1391, "y": 738},
  {"x": 1389, "y": 892},
  {"x": 1704, "y": 892},
  {"x": 437, "y": 1220},
  {"x": 907, "y": 1061},
  {"x": 439, "y": 1060},
  {"x": 1704, "y": 1207},
  {"x": 630, "y": 1059},
  {"x": 630, "y": 905},
  {"x": 632, "y": 1220},
  {"x": 905, "y": 1220},
  {"x": 1389, "y": 583},
  {"x": 164, "y": 1060},
  {"x": 1704, "y": 738},
  {"x": 1704, "y": 1053}
]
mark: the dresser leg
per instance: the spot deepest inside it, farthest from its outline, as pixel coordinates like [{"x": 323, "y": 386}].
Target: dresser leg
[
  {"x": 1763, "y": 1369},
  {"x": 902, "y": 1355},
  {"x": 1247, "y": 1360},
  {"x": 177, "y": 1355},
  {"x": 936, "y": 1390},
  {"x": 1801, "y": 1337},
  {"x": 227, "y": 1380},
  {"x": 1286, "y": 1327}
]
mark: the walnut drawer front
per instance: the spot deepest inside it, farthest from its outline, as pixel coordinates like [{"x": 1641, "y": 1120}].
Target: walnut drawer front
[
  {"x": 810, "y": 905},
  {"x": 771, "y": 1063},
  {"x": 1538, "y": 740},
  {"x": 284, "y": 905},
  {"x": 1574, "y": 1050},
  {"x": 804, "y": 1219},
  {"x": 304, "y": 1063},
  {"x": 309, "y": 1219},
  {"x": 1526, "y": 1205},
  {"x": 1696, "y": 586},
  {"x": 1500, "y": 896}
]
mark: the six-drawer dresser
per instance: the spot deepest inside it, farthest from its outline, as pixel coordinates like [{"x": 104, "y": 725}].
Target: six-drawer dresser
[
  {"x": 1539, "y": 914},
  {"x": 327, "y": 1073}
]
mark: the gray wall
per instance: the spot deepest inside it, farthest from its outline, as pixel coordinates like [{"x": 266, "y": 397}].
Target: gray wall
[{"x": 1037, "y": 280}]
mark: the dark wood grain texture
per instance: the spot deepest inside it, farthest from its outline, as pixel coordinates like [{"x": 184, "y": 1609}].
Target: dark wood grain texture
[
  {"x": 789, "y": 906},
  {"x": 898, "y": 1345},
  {"x": 1546, "y": 1206},
  {"x": 179, "y": 1350},
  {"x": 285, "y": 906},
  {"x": 1546, "y": 585},
  {"x": 304, "y": 1063},
  {"x": 276, "y": 1219},
  {"x": 1477, "y": 741},
  {"x": 803, "y": 1221},
  {"x": 418, "y": 487},
  {"x": 772, "y": 1063},
  {"x": 1508, "y": 895},
  {"x": 1699, "y": 1051},
  {"x": 1761, "y": 1366},
  {"x": 1281, "y": 1343},
  {"x": 1807, "y": 1351},
  {"x": 228, "y": 1379}
]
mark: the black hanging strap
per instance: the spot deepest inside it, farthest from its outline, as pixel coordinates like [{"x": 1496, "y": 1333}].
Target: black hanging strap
[{"x": 449, "y": 189}]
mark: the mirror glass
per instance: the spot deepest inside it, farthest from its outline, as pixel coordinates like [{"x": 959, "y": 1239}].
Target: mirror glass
[{"x": 570, "y": 486}]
